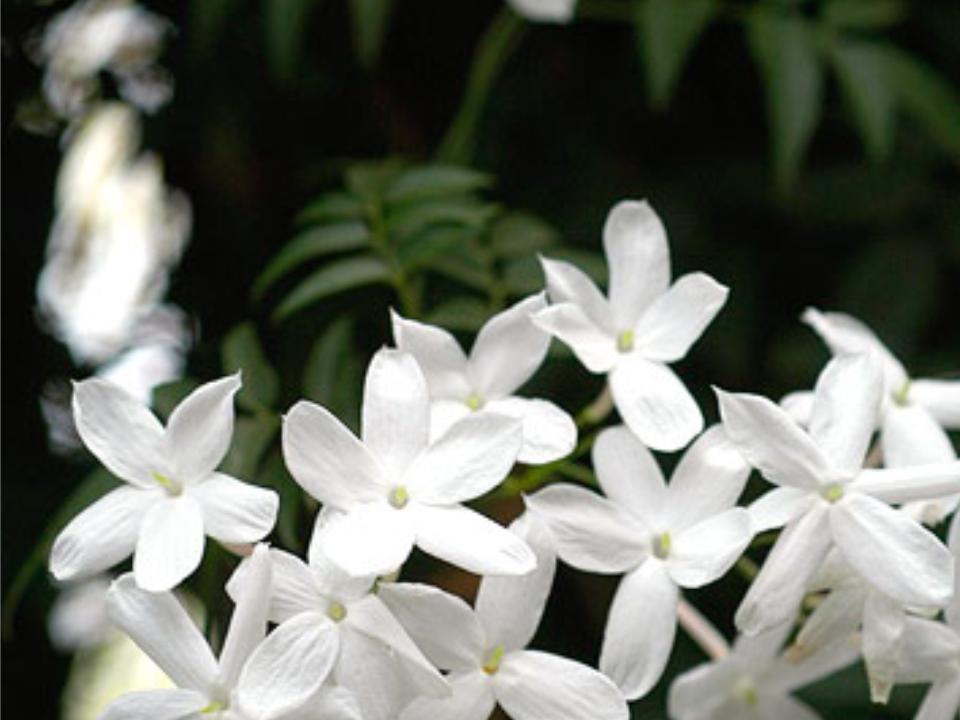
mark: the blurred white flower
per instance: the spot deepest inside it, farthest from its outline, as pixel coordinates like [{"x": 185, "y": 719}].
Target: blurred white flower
[
  {"x": 551, "y": 11},
  {"x": 394, "y": 488},
  {"x": 78, "y": 618},
  {"x": 172, "y": 497},
  {"x": 664, "y": 537},
  {"x": 507, "y": 352},
  {"x": 645, "y": 324}
]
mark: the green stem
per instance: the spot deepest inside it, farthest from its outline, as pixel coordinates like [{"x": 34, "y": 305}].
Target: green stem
[
  {"x": 494, "y": 50},
  {"x": 747, "y": 568},
  {"x": 407, "y": 292},
  {"x": 535, "y": 477}
]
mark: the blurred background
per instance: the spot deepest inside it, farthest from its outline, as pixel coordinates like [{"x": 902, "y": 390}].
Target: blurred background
[{"x": 803, "y": 153}]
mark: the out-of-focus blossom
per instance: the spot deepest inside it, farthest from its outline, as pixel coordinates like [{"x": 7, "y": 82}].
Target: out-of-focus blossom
[
  {"x": 78, "y": 619},
  {"x": 551, "y": 11},
  {"x": 94, "y": 36}
]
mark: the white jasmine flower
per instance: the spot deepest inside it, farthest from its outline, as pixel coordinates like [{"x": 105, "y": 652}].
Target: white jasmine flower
[
  {"x": 549, "y": 11},
  {"x": 484, "y": 649},
  {"x": 826, "y": 499},
  {"x": 507, "y": 352},
  {"x": 755, "y": 680},
  {"x": 78, "y": 619},
  {"x": 233, "y": 688},
  {"x": 172, "y": 497},
  {"x": 369, "y": 652},
  {"x": 645, "y": 324},
  {"x": 394, "y": 488},
  {"x": 664, "y": 537}
]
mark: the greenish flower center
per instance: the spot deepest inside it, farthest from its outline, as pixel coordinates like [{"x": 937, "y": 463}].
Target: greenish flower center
[
  {"x": 625, "y": 341},
  {"x": 661, "y": 546},
  {"x": 746, "y": 692},
  {"x": 832, "y": 492},
  {"x": 399, "y": 497},
  {"x": 493, "y": 661},
  {"x": 171, "y": 486},
  {"x": 902, "y": 396},
  {"x": 474, "y": 402},
  {"x": 212, "y": 708},
  {"x": 336, "y": 611}
]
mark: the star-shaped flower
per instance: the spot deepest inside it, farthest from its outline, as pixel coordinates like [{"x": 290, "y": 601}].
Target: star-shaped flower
[
  {"x": 507, "y": 352},
  {"x": 394, "y": 488},
  {"x": 664, "y": 537},
  {"x": 173, "y": 496},
  {"x": 645, "y": 324}
]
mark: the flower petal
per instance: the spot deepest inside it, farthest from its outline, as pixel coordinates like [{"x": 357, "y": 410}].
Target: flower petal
[
  {"x": 292, "y": 588},
  {"x": 697, "y": 692},
  {"x": 915, "y": 482},
  {"x": 472, "y": 458},
  {"x": 837, "y": 616},
  {"x": 775, "y": 594},
  {"x": 846, "y": 409},
  {"x": 929, "y": 650},
  {"x": 702, "y": 553},
  {"x": 771, "y": 441},
  {"x": 635, "y": 243},
  {"x": 508, "y": 350},
  {"x": 102, "y": 535},
  {"x": 438, "y": 354},
  {"x": 200, "y": 429},
  {"x": 549, "y": 433},
  {"x": 372, "y": 674},
  {"x": 784, "y": 707},
  {"x": 593, "y": 345},
  {"x": 472, "y": 699},
  {"x": 327, "y": 460},
  {"x": 592, "y": 533},
  {"x": 654, "y": 403},
  {"x": 640, "y": 629},
  {"x": 566, "y": 283},
  {"x": 170, "y": 545},
  {"x": 891, "y": 551},
  {"x": 156, "y": 705},
  {"x": 371, "y": 539},
  {"x": 883, "y": 626},
  {"x": 248, "y": 624},
  {"x": 235, "y": 511},
  {"x": 289, "y": 666},
  {"x": 123, "y": 433},
  {"x": 941, "y": 701},
  {"x": 799, "y": 406},
  {"x": 910, "y": 436},
  {"x": 330, "y": 703},
  {"x": 161, "y": 627},
  {"x": 533, "y": 685},
  {"x": 677, "y": 319},
  {"x": 628, "y": 473},
  {"x": 778, "y": 507},
  {"x": 444, "y": 414},
  {"x": 510, "y": 608},
  {"x": 941, "y": 398},
  {"x": 470, "y": 541}
]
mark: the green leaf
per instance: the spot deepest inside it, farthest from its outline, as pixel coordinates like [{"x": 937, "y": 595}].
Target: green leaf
[
  {"x": 332, "y": 371},
  {"x": 461, "y": 313},
  {"x": 784, "y": 48},
  {"x": 251, "y": 438},
  {"x": 331, "y": 279},
  {"x": 368, "y": 180},
  {"x": 315, "y": 242},
  {"x": 410, "y": 220},
  {"x": 863, "y": 14},
  {"x": 433, "y": 181},
  {"x": 241, "y": 350},
  {"x": 417, "y": 251},
  {"x": 862, "y": 74},
  {"x": 333, "y": 207},
  {"x": 465, "y": 264},
  {"x": 517, "y": 235},
  {"x": 370, "y": 22},
  {"x": 167, "y": 396},
  {"x": 524, "y": 275},
  {"x": 668, "y": 30},
  {"x": 285, "y": 24}
]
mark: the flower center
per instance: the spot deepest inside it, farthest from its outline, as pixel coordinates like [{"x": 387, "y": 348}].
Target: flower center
[
  {"x": 745, "y": 691},
  {"x": 474, "y": 402},
  {"x": 625, "y": 341},
  {"x": 661, "y": 546},
  {"x": 399, "y": 497},
  {"x": 832, "y": 492},
  {"x": 492, "y": 663},
  {"x": 336, "y": 611},
  {"x": 171, "y": 486},
  {"x": 215, "y": 706},
  {"x": 902, "y": 396}
]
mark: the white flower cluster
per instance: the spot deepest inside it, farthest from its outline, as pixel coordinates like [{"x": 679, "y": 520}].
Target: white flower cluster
[{"x": 852, "y": 570}]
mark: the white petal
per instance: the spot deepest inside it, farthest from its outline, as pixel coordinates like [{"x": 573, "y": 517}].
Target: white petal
[
  {"x": 756, "y": 652},
  {"x": 329, "y": 578},
  {"x": 373, "y": 675},
  {"x": 771, "y": 441},
  {"x": 708, "y": 479},
  {"x": 442, "y": 625},
  {"x": 330, "y": 703},
  {"x": 156, "y": 705},
  {"x": 942, "y": 701},
  {"x": 593, "y": 345},
  {"x": 930, "y": 648},
  {"x": 635, "y": 243},
  {"x": 200, "y": 429},
  {"x": 235, "y": 511},
  {"x": 472, "y": 700},
  {"x": 702, "y": 553},
  {"x": 289, "y": 666},
  {"x": 846, "y": 409},
  {"x": 784, "y": 707},
  {"x": 787, "y": 676},
  {"x": 549, "y": 433},
  {"x": 102, "y": 535},
  {"x": 628, "y": 473},
  {"x": 891, "y": 551},
  {"x": 916, "y": 482},
  {"x": 508, "y": 350},
  {"x": 799, "y": 406},
  {"x": 778, "y": 507},
  {"x": 941, "y": 398},
  {"x": 837, "y": 616},
  {"x": 640, "y": 629},
  {"x": 510, "y": 608},
  {"x": 292, "y": 588},
  {"x": 911, "y": 436},
  {"x": 472, "y": 458},
  {"x": 654, "y": 403},
  {"x": 952, "y": 611},
  {"x": 439, "y": 355},
  {"x": 696, "y": 692},
  {"x": 883, "y": 626},
  {"x": 566, "y": 283},
  {"x": 677, "y": 318},
  {"x": 443, "y": 415},
  {"x": 164, "y": 631},
  {"x": 123, "y": 433},
  {"x": 534, "y": 685},
  {"x": 591, "y": 532},
  {"x": 372, "y": 539},
  {"x": 327, "y": 460},
  {"x": 248, "y": 624},
  {"x": 775, "y": 594},
  {"x": 170, "y": 545},
  {"x": 844, "y": 334},
  {"x": 396, "y": 410},
  {"x": 470, "y": 541}
]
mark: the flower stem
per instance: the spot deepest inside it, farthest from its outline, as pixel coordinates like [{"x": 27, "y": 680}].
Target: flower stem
[{"x": 702, "y": 631}]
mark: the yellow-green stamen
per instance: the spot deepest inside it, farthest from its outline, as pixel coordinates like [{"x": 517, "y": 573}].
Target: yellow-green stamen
[
  {"x": 902, "y": 396},
  {"x": 832, "y": 492},
  {"x": 493, "y": 660},
  {"x": 166, "y": 483},
  {"x": 746, "y": 692},
  {"x": 661, "y": 545},
  {"x": 474, "y": 402},
  {"x": 336, "y": 611},
  {"x": 625, "y": 341},
  {"x": 213, "y": 707},
  {"x": 399, "y": 497}
]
